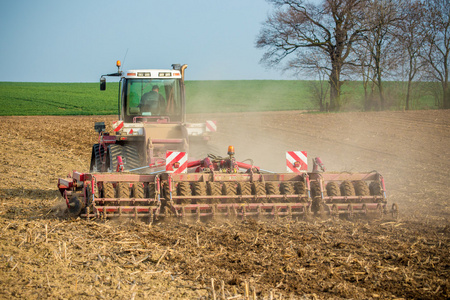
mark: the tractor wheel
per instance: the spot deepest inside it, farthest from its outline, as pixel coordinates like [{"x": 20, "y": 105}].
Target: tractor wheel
[
  {"x": 361, "y": 188},
  {"x": 199, "y": 189},
  {"x": 113, "y": 151},
  {"x": 213, "y": 189},
  {"x": 184, "y": 189},
  {"x": 347, "y": 188},
  {"x": 130, "y": 156},
  {"x": 98, "y": 152}
]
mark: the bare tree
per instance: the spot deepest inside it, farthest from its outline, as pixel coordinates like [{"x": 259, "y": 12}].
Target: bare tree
[
  {"x": 381, "y": 16},
  {"x": 332, "y": 26},
  {"x": 437, "y": 22},
  {"x": 360, "y": 65},
  {"x": 410, "y": 37},
  {"x": 314, "y": 65}
]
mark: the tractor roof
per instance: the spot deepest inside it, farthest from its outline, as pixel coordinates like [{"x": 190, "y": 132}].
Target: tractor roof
[{"x": 152, "y": 73}]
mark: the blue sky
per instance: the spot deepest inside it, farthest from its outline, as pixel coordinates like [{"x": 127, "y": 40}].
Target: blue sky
[{"x": 77, "y": 41}]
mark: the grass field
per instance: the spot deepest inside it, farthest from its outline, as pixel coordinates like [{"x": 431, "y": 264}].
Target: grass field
[{"x": 17, "y": 98}]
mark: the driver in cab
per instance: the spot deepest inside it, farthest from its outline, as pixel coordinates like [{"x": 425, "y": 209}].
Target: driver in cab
[{"x": 153, "y": 102}]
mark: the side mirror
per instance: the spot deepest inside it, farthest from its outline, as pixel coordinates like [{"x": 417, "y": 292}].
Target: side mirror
[{"x": 102, "y": 83}]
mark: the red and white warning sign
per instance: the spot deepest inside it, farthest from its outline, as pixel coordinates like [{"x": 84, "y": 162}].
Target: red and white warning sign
[
  {"x": 176, "y": 162},
  {"x": 296, "y": 161},
  {"x": 117, "y": 125},
  {"x": 211, "y": 126}
]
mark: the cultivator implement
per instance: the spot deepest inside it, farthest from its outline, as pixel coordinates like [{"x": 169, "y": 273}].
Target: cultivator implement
[{"x": 221, "y": 187}]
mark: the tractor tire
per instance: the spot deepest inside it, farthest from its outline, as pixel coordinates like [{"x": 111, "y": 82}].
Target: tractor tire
[
  {"x": 130, "y": 156},
  {"x": 98, "y": 153}
]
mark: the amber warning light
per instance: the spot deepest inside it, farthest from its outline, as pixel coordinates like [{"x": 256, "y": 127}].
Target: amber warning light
[
  {"x": 230, "y": 150},
  {"x": 118, "y": 63}
]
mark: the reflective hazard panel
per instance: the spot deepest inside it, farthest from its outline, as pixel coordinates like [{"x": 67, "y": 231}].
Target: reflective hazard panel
[
  {"x": 296, "y": 161},
  {"x": 117, "y": 125},
  {"x": 211, "y": 126},
  {"x": 176, "y": 162}
]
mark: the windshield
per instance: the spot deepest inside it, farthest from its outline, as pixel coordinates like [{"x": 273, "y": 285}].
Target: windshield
[{"x": 151, "y": 98}]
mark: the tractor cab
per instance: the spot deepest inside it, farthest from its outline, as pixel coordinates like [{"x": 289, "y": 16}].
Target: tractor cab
[{"x": 151, "y": 95}]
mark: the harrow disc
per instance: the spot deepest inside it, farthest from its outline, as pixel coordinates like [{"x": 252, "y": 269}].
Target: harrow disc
[
  {"x": 75, "y": 205},
  {"x": 350, "y": 214},
  {"x": 394, "y": 211}
]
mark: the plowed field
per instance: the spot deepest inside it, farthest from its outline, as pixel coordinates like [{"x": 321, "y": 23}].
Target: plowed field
[{"x": 45, "y": 254}]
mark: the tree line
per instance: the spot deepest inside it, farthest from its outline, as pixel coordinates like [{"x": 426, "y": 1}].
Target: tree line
[{"x": 368, "y": 40}]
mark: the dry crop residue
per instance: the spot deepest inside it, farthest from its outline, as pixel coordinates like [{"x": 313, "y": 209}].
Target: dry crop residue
[{"x": 44, "y": 254}]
